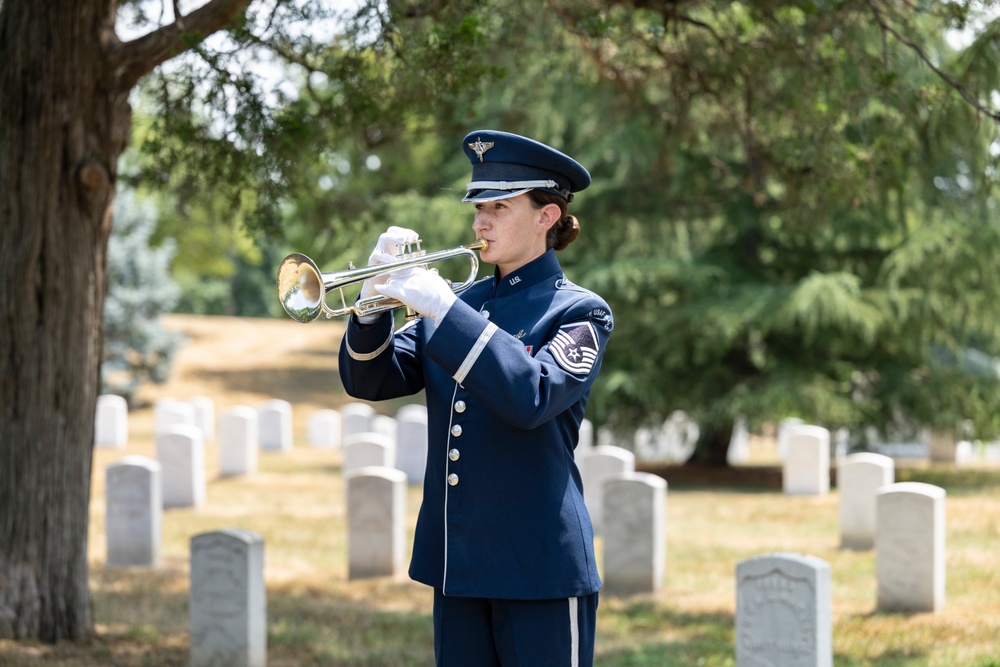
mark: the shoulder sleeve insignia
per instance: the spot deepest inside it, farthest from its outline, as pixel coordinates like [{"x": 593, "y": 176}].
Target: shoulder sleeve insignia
[{"x": 575, "y": 347}]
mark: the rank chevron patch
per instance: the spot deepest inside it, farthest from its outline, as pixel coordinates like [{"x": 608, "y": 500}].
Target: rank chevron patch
[{"x": 575, "y": 347}]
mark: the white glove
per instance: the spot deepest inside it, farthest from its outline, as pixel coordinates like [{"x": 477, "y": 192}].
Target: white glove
[
  {"x": 390, "y": 245},
  {"x": 421, "y": 289}
]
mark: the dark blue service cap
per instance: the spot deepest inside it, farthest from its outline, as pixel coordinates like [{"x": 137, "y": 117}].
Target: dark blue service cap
[{"x": 505, "y": 165}]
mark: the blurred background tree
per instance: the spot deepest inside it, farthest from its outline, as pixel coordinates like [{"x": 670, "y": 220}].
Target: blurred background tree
[
  {"x": 791, "y": 209},
  {"x": 137, "y": 349}
]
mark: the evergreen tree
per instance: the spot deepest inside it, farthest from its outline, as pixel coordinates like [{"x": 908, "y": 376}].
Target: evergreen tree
[
  {"x": 791, "y": 204},
  {"x": 137, "y": 349}
]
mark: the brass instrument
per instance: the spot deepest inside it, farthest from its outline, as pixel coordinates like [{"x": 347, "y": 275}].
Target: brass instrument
[{"x": 302, "y": 287}]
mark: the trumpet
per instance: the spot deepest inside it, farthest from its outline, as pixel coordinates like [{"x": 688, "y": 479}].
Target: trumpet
[{"x": 302, "y": 287}]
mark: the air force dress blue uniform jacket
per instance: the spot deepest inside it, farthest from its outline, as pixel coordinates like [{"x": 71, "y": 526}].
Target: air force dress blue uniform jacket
[{"x": 507, "y": 374}]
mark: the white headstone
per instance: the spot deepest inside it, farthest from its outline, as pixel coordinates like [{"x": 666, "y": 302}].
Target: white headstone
[
  {"x": 376, "y": 522},
  {"x": 111, "y": 422},
  {"x": 356, "y": 418},
  {"x": 204, "y": 416},
  {"x": 169, "y": 412},
  {"x": 635, "y": 514},
  {"x": 411, "y": 442},
  {"x": 586, "y": 441},
  {"x": 385, "y": 425},
  {"x": 133, "y": 511},
  {"x": 783, "y": 427},
  {"x": 859, "y": 476},
  {"x": 806, "y": 470},
  {"x": 227, "y": 599},
  {"x": 966, "y": 453},
  {"x": 325, "y": 429},
  {"x": 238, "y": 441},
  {"x": 680, "y": 435},
  {"x": 596, "y": 466},
  {"x": 181, "y": 453},
  {"x": 674, "y": 440},
  {"x": 362, "y": 450},
  {"x": 783, "y": 611},
  {"x": 910, "y": 547},
  {"x": 739, "y": 442},
  {"x": 274, "y": 425}
]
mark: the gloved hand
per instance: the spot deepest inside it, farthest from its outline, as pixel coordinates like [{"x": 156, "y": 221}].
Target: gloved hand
[
  {"x": 390, "y": 244},
  {"x": 421, "y": 289}
]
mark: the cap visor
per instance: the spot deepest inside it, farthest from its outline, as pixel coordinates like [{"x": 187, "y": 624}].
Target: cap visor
[{"x": 493, "y": 195}]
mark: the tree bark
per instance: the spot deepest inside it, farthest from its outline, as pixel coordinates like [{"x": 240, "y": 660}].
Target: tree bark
[
  {"x": 713, "y": 446},
  {"x": 64, "y": 122}
]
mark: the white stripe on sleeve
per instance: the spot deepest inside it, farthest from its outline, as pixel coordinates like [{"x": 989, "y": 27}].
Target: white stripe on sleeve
[{"x": 474, "y": 353}]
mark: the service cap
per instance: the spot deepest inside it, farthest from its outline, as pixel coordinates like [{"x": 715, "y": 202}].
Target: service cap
[{"x": 505, "y": 165}]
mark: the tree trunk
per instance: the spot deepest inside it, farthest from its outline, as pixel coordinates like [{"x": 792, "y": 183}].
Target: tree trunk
[
  {"x": 63, "y": 125},
  {"x": 713, "y": 446}
]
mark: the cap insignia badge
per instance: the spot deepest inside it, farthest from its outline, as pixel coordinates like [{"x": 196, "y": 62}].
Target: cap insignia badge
[{"x": 481, "y": 147}]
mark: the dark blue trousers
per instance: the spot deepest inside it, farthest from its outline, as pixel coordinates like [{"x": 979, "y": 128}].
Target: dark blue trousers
[{"x": 482, "y": 632}]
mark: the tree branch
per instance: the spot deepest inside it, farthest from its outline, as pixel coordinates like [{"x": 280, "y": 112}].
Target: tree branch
[
  {"x": 140, "y": 56},
  {"x": 913, "y": 46}
]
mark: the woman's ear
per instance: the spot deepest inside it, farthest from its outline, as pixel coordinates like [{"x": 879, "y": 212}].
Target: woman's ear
[{"x": 548, "y": 216}]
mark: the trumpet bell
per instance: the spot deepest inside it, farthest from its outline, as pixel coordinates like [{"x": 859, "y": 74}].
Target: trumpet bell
[{"x": 301, "y": 288}]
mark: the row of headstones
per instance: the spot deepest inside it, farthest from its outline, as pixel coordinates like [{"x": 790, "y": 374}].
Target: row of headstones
[
  {"x": 783, "y": 600},
  {"x": 272, "y": 426},
  {"x": 675, "y": 439},
  {"x": 364, "y": 444},
  {"x": 629, "y": 510},
  {"x": 182, "y": 427},
  {"x": 179, "y": 452},
  {"x": 137, "y": 488},
  {"x": 861, "y": 479}
]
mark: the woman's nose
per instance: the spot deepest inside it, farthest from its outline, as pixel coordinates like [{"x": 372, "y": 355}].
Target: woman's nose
[{"x": 479, "y": 223}]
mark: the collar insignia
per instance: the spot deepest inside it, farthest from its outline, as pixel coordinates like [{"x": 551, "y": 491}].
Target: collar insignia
[{"x": 481, "y": 147}]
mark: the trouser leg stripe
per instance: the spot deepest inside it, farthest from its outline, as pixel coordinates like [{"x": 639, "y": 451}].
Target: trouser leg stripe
[{"x": 574, "y": 633}]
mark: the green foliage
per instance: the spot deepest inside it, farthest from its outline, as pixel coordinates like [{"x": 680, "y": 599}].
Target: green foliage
[
  {"x": 791, "y": 212},
  {"x": 802, "y": 160},
  {"x": 136, "y": 347}
]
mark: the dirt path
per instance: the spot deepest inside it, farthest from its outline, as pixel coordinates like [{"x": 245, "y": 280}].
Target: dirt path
[{"x": 245, "y": 361}]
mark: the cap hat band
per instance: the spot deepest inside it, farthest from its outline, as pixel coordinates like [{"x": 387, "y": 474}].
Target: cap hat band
[
  {"x": 515, "y": 185},
  {"x": 483, "y": 196}
]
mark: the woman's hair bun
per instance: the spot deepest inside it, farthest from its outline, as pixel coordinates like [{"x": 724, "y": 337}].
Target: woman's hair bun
[{"x": 569, "y": 229}]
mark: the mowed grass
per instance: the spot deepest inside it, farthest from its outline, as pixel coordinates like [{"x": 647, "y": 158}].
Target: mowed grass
[{"x": 316, "y": 616}]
